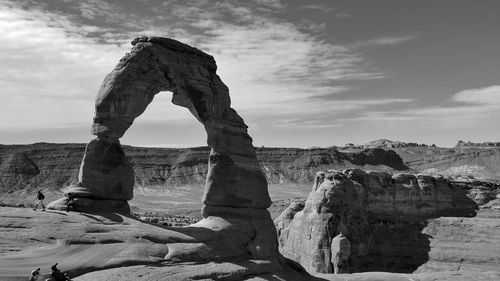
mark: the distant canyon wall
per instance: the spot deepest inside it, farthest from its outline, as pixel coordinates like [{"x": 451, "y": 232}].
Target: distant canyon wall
[
  {"x": 480, "y": 160},
  {"x": 54, "y": 166}
]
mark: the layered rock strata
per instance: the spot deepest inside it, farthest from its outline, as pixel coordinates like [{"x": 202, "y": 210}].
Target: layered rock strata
[
  {"x": 51, "y": 166},
  {"x": 381, "y": 214},
  {"x": 485, "y": 194}
]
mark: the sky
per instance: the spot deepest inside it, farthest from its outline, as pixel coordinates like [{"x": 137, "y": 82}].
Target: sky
[{"x": 300, "y": 73}]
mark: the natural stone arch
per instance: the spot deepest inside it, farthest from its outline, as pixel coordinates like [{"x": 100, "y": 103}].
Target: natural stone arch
[
  {"x": 157, "y": 64},
  {"x": 236, "y": 226}
]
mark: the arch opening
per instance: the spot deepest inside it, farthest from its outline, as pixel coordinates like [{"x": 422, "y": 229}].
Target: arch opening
[{"x": 165, "y": 125}]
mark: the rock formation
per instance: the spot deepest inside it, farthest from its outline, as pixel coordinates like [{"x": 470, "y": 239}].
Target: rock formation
[
  {"x": 462, "y": 143},
  {"x": 382, "y": 215},
  {"x": 485, "y": 194},
  {"x": 155, "y": 64},
  {"x": 340, "y": 251},
  {"x": 236, "y": 222}
]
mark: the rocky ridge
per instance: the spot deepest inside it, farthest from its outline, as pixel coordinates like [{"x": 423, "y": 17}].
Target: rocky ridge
[
  {"x": 385, "y": 143},
  {"x": 462, "y": 143}
]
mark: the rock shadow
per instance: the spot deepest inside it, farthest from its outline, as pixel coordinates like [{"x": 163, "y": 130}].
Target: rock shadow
[
  {"x": 391, "y": 244},
  {"x": 56, "y": 212},
  {"x": 114, "y": 217}
]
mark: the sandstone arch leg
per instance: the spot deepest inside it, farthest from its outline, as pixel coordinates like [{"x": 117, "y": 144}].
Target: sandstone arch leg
[{"x": 235, "y": 189}]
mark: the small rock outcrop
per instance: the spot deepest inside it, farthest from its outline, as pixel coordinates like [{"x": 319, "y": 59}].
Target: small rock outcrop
[{"x": 381, "y": 214}]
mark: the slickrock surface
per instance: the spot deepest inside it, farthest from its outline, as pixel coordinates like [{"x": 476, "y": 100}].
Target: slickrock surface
[
  {"x": 114, "y": 247},
  {"x": 428, "y": 276},
  {"x": 81, "y": 242},
  {"x": 382, "y": 215}
]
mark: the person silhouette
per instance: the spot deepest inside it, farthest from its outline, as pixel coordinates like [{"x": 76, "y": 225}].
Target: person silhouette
[
  {"x": 39, "y": 200},
  {"x": 35, "y": 274},
  {"x": 70, "y": 204},
  {"x": 57, "y": 275}
]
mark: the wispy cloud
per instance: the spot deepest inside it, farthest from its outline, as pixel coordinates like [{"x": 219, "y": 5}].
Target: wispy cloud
[
  {"x": 270, "y": 65},
  {"x": 318, "y": 7},
  {"x": 483, "y": 96},
  {"x": 326, "y": 8},
  {"x": 93, "y": 9},
  {"x": 306, "y": 124},
  {"x": 273, "y": 4},
  {"x": 382, "y": 41},
  {"x": 327, "y": 113},
  {"x": 470, "y": 107},
  {"x": 48, "y": 68}
]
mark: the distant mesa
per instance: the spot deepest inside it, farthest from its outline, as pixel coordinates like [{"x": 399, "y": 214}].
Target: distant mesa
[{"x": 385, "y": 143}]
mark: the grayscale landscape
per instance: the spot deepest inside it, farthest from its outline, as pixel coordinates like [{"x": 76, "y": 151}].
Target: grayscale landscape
[{"x": 249, "y": 140}]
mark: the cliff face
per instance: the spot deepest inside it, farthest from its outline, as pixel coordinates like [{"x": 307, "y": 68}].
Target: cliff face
[
  {"x": 28, "y": 167},
  {"x": 53, "y": 166},
  {"x": 478, "y": 159},
  {"x": 294, "y": 165},
  {"x": 169, "y": 167},
  {"x": 382, "y": 216},
  {"x": 485, "y": 160}
]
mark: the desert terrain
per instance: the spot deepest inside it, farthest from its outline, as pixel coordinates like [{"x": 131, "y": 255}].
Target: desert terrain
[{"x": 170, "y": 197}]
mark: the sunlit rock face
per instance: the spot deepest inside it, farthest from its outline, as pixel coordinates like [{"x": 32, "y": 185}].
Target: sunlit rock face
[
  {"x": 156, "y": 64},
  {"x": 381, "y": 214}
]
